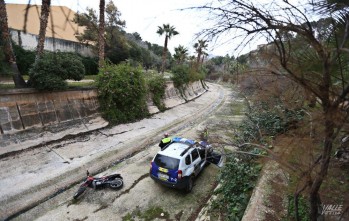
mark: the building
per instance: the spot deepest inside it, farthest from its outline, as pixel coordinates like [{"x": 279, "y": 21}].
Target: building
[{"x": 24, "y": 25}]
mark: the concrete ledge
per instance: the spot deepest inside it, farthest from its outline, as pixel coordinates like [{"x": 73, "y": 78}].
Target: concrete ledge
[{"x": 27, "y": 115}]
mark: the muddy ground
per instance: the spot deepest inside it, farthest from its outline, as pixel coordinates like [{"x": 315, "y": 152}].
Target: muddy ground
[{"x": 126, "y": 149}]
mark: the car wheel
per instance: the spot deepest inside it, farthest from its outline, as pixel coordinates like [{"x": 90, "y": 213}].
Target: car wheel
[{"x": 190, "y": 185}]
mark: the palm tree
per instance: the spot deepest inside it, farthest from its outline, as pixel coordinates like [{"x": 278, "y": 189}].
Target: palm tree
[
  {"x": 181, "y": 54},
  {"x": 8, "y": 51},
  {"x": 101, "y": 31},
  {"x": 45, "y": 11},
  {"x": 169, "y": 32},
  {"x": 200, "y": 47},
  {"x": 204, "y": 55},
  {"x": 191, "y": 60}
]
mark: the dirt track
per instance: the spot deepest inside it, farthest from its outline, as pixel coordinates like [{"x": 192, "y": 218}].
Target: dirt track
[{"x": 63, "y": 164}]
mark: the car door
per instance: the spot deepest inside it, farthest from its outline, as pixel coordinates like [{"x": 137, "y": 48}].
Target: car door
[
  {"x": 215, "y": 158},
  {"x": 196, "y": 160}
]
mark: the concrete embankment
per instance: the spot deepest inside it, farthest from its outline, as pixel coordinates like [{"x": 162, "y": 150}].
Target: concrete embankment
[
  {"x": 50, "y": 169},
  {"x": 27, "y": 115}
]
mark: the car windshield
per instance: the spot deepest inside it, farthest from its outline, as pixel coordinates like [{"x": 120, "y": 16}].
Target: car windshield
[{"x": 166, "y": 162}]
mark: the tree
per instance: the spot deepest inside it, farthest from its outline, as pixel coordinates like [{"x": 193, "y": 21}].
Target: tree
[
  {"x": 200, "y": 47},
  {"x": 115, "y": 43},
  {"x": 137, "y": 36},
  {"x": 45, "y": 11},
  {"x": 101, "y": 31},
  {"x": 8, "y": 50},
  {"x": 89, "y": 20},
  {"x": 181, "y": 54},
  {"x": 169, "y": 31},
  {"x": 318, "y": 64}
]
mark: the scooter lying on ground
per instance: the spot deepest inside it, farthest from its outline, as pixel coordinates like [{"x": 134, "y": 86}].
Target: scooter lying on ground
[{"x": 114, "y": 181}]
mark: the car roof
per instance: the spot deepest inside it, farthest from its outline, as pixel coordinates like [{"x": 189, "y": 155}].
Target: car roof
[{"x": 174, "y": 149}]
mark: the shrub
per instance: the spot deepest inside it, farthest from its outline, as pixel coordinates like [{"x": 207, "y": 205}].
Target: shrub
[
  {"x": 180, "y": 76},
  {"x": 122, "y": 93},
  {"x": 91, "y": 65},
  {"x": 4, "y": 66},
  {"x": 261, "y": 120},
  {"x": 238, "y": 179},
  {"x": 303, "y": 209},
  {"x": 51, "y": 71},
  {"x": 24, "y": 58},
  {"x": 157, "y": 86}
]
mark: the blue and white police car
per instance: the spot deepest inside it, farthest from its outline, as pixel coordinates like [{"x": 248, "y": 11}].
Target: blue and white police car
[{"x": 178, "y": 163}]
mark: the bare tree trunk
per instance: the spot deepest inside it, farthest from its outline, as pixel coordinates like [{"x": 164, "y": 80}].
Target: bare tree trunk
[
  {"x": 45, "y": 11},
  {"x": 325, "y": 161},
  {"x": 164, "y": 55},
  {"x": 101, "y": 31},
  {"x": 8, "y": 51}
]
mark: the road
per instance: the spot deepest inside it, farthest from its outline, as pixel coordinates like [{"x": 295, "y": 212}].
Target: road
[{"x": 40, "y": 183}]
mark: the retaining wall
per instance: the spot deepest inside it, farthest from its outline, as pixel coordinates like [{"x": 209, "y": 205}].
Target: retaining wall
[
  {"x": 24, "y": 113},
  {"x": 24, "y": 109}
]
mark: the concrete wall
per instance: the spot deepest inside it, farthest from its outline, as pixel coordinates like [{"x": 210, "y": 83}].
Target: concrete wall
[
  {"x": 27, "y": 108},
  {"x": 23, "y": 111},
  {"x": 174, "y": 98},
  {"x": 30, "y": 41}
]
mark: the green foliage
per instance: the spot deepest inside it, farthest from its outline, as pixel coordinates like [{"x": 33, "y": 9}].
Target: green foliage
[
  {"x": 122, "y": 93},
  {"x": 90, "y": 64},
  {"x": 24, "y": 58},
  {"x": 198, "y": 75},
  {"x": 262, "y": 120},
  {"x": 117, "y": 49},
  {"x": 238, "y": 179},
  {"x": 119, "y": 45},
  {"x": 128, "y": 217},
  {"x": 4, "y": 66},
  {"x": 303, "y": 209},
  {"x": 157, "y": 86},
  {"x": 180, "y": 77},
  {"x": 51, "y": 71},
  {"x": 153, "y": 213}
]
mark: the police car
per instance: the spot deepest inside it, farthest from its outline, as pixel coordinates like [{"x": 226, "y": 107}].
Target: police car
[{"x": 177, "y": 164}]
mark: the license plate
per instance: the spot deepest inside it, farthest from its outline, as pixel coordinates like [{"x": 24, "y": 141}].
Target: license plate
[{"x": 162, "y": 176}]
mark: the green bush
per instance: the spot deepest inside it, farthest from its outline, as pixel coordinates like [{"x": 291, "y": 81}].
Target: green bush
[
  {"x": 303, "y": 209},
  {"x": 238, "y": 179},
  {"x": 157, "y": 87},
  {"x": 270, "y": 122},
  {"x": 122, "y": 93},
  {"x": 24, "y": 58},
  {"x": 180, "y": 76},
  {"x": 91, "y": 65},
  {"x": 197, "y": 75},
  {"x": 4, "y": 66},
  {"x": 51, "y": 71}
]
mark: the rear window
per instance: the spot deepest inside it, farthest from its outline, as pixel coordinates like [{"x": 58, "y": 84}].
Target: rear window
[{"x": 166, "y": 162}]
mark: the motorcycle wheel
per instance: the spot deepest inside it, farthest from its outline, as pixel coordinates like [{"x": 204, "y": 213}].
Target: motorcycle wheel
[
  {"x": 80, "y": 191},
  {"x": 116, "y": 184}
]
